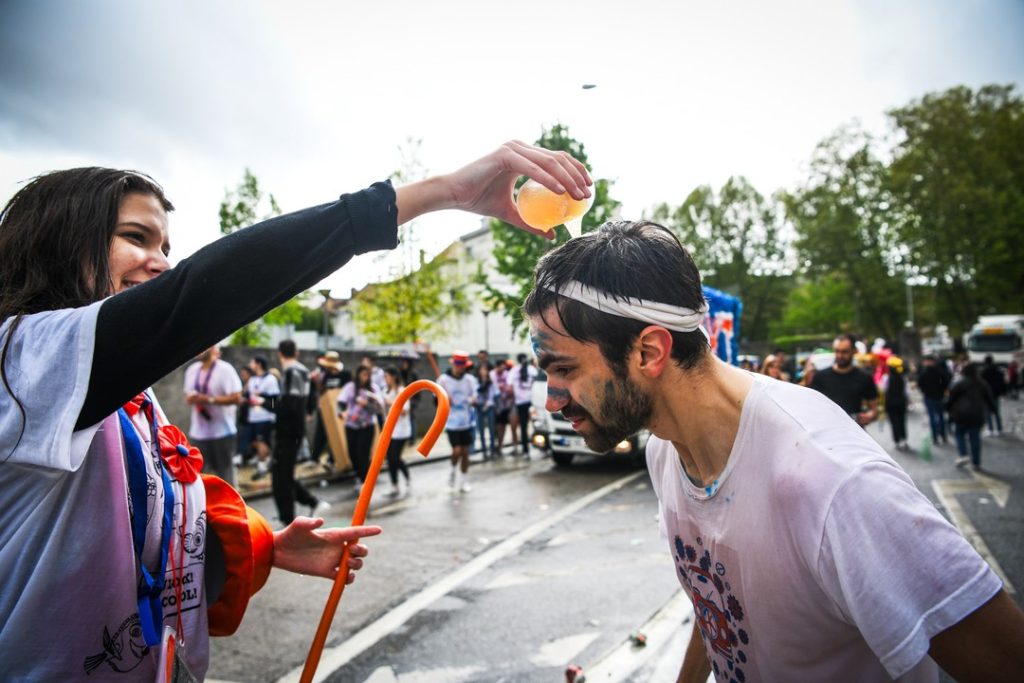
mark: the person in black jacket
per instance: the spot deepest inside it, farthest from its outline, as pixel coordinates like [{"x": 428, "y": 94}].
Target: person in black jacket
[
  {"x": 289, "y": 430},
  {"x": 969, "y": 398},
  {"x": 896, "y": 400},
  {"x": 992, "y": 375},
  {"x": 933, "y": 381}
]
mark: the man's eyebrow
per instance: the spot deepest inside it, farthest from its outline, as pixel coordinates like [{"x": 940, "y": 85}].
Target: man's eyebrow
[{"x": 547, "y": 359}]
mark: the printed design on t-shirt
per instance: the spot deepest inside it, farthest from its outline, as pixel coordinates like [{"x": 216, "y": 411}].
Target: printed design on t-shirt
[
  {"x": 183, "y": 578},
  {"x": 719, "y": 612},
  {"x": 122, "y": 651},
  {"x": 195, "y": 540}
]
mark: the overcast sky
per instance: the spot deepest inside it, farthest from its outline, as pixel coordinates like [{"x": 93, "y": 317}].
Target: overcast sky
[{"x": 316, "y": 97}]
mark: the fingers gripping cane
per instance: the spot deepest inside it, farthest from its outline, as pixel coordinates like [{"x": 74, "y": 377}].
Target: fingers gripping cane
[{"x": 359, "y": 516}]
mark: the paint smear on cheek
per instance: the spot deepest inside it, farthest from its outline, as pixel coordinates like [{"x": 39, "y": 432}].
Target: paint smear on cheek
[{"x": 560, "y": 395}]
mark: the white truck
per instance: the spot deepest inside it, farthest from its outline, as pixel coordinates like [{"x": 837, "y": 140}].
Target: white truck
[{"x": 999, "y": 336}]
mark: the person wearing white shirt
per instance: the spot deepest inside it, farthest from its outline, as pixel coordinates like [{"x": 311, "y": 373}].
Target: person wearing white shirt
[
  {"x": 104, "y": 513},
  {"x": 263, "y": 390},
  {"x": 213, "y": 390},
  {"x": 523, "y": 377},
  {"x": 400, "y": 435},
  {"x": 461, "y": 387},
  {"x": 808, "y": 554}
]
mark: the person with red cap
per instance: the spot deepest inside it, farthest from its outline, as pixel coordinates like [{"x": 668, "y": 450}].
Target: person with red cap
[{"x": 461, "y": 387}]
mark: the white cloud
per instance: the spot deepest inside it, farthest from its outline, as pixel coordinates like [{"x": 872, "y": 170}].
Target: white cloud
[{"x": 315, "y": 97}]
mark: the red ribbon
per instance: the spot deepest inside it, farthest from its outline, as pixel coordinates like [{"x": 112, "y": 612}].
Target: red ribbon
[
  {"x": 133, "y": 406},
  {"x": 182, "y": 459}
]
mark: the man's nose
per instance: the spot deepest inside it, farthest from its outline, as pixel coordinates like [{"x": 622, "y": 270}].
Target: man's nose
[{"x": 556, "y": 400}]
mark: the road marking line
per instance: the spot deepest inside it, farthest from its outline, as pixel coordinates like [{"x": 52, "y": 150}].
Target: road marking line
[
  {"x": 945, "y": 491},
  {"x": 998, "y": 488},
  {"x": 335, "y": 657}
]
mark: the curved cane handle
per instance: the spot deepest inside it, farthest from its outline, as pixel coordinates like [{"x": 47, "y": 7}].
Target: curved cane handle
[{"x": 363, "y": 504}]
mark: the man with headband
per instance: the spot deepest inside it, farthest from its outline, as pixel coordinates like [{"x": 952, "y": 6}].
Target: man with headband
[{"x": 807, "y": 552}]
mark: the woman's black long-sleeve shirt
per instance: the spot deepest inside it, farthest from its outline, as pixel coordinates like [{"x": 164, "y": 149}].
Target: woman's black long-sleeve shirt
[{"x": 149, "y": 330}]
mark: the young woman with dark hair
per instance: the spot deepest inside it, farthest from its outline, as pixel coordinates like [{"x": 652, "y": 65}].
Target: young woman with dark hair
[
  {"x": 402, "y": 433},
  {"x": 359, "y": 404},
  {"x": 101, "y": 507}
]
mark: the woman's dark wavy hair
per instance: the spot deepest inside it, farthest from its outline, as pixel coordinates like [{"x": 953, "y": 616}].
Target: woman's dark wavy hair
[
  {"x": 628, "y": 260},
  {"x": 55, "y": 236}
]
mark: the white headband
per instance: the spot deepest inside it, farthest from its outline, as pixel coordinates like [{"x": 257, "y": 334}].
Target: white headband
[{"x": 668, "y": 316}]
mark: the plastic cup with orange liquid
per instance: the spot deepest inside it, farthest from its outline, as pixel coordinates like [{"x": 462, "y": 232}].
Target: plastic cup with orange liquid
[{"x": 541, "y": 208}]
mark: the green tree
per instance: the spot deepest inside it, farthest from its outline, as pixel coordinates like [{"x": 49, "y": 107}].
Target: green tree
[
  {"x": 845, "y": 224},
  {"x": 424, "y": 295},
  {"x": 415, "y": 306},
  {"x": 823, "y": 308},
  {"x": 957, "y": 176},
  {"x": 240, "y": 208},
  {"x": 737, "y": 239},
  {"x": 516, "y": 252}
]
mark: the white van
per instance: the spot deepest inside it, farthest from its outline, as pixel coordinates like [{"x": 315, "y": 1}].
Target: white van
[{"x": 999, "y": 336}]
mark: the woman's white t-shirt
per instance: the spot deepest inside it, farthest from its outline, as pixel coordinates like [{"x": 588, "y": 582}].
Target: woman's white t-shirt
[
  {"x": 522, "y": 389},
  {"x": 814, "y": 557},
  {"x": 403, "y": 426},
  {"x": 68, "y": 574}
]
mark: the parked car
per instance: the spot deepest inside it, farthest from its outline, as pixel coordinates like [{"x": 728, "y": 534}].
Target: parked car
[{"x": 554, "y": 435}]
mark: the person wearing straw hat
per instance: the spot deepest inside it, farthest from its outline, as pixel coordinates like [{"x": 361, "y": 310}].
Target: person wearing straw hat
[
  {"x": 330, "y": 374},
  {"x": 461, "y": 387},
  {"x": 808, "y": 554}
]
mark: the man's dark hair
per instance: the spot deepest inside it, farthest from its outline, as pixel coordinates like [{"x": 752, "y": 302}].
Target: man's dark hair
[
  {"x": 288, "y": 349},
  {"x": 625, "y": 260},
  {"x": 262, "y": 362},
  {"x": 989, "y": 360},
  {"x": 846, "y": 336}
]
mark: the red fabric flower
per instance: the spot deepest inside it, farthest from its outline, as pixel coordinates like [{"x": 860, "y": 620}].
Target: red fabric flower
[{"x": 182, "y": 459}]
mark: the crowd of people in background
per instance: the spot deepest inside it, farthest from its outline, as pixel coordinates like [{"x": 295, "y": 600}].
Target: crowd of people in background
[
  {"x": 274, "y": 418},
  {"x": 235, "y": 415},
  {"x": 960, "y": 398}
]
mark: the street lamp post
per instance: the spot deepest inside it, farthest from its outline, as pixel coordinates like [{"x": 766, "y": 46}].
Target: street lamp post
[
  {"x": 487, "y": 330},
  {"x": 326, "y": 294}
]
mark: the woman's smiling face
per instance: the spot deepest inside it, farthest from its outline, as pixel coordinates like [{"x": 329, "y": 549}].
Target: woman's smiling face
[{"x": 139, "y": 248}]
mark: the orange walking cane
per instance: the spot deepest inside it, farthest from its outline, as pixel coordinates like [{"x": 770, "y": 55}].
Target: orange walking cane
[{"x": 359, "y": 516}]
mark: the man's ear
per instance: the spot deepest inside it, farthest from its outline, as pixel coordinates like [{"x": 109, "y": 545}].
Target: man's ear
[{"x": 655, "y": 347}]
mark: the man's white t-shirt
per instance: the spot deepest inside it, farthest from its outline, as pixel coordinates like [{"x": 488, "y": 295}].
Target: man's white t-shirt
[
  {"x": 461, "y": 396},
  {"x": 220, "y": 380},
  {"x": 814, "y": 557},
  {"x": 262, "y": 385},
  {"x": 68, "y": 608}
]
